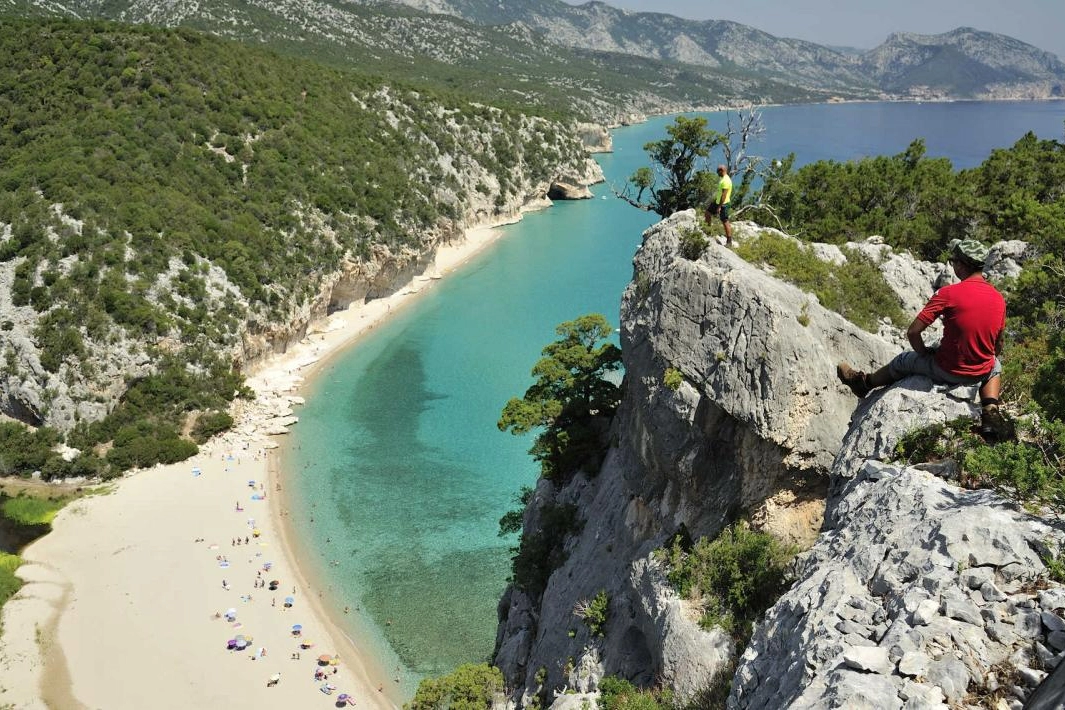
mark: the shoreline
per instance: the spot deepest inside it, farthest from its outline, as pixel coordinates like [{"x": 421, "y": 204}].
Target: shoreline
[{"x": 140, "y": 575}]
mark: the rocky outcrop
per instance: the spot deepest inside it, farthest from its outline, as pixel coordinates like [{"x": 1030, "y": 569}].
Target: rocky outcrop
[
  {"x": 595, "y": 138},
  {"x": 918, "y": 592},
  {"x": 565, "y": 191},
  {"x": 914, "y": 589},
  {"x": 758, "y": 417}
]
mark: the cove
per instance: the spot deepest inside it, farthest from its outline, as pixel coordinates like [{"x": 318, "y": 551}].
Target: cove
[{"x": 398, "y": 472}]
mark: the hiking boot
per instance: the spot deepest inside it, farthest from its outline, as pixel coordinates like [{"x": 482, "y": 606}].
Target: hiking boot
[
  {"x": 993, "y": 424},
  {"x": 857, "y": 381}
]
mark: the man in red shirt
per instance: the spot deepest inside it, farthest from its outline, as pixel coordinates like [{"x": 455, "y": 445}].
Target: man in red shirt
[{"x": 974, "y": 318}]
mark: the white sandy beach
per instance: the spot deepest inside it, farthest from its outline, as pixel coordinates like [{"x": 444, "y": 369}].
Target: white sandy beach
[{"x": 120, "y": 601}]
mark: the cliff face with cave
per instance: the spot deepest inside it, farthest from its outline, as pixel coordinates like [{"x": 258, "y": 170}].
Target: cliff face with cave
[{"x": 759, "y": 426}]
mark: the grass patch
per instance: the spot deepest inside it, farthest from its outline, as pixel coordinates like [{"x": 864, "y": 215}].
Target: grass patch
[
  {"x": 9, "y": 583},
  {"x": 736, "y": 577},
  {"x": 619, "y": 694},
  {"x": 32, "y": 510},
  {"x": 856, "y": 289}
]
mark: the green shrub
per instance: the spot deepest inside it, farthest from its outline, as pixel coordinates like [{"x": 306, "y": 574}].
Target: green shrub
[
  {"x": 619, "y": 694},
  {"x": 856, "y": 289},
  {"x": 210, "y": 423},
  {"x": 469, "y": 687},
  {"x": 24, "y": 450},
  {"x": 672, "y": 378},
  {"x": 1030, "y": 469},
  {"x": 594, "y": 612},
  {"x": 540, "y": 552},
  {"x": 738, "y": 575},
  {"x": 693, "y": 243}
]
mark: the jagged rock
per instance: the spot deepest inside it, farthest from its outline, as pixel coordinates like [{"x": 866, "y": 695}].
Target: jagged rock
[
  {"x": 565, "y": 191},
  {"x": 924, "y": 528},
  {"x": 595, "y": 138},
  {"x": 914, "y": 664},
  {"x": 576, "y": 701},
  {"x": 867, "y": 658},
  {"x": 914, "y": 588}
]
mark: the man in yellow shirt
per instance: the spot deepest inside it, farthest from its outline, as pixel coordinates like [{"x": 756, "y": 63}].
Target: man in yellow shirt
[{"x": 724, "y": 196}]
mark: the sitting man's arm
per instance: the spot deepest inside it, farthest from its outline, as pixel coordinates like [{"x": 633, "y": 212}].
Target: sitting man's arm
[{"x": 913, "y": 334}]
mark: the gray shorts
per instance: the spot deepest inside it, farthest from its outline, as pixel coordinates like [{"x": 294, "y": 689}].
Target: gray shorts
[{"x": 912, "y": 363}]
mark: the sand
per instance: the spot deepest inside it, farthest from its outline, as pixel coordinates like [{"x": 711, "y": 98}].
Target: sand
[{"x": 124, "y": 601}]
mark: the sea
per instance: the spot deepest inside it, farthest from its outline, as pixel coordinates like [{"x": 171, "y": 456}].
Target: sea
[{"x": 397, "y": 472}]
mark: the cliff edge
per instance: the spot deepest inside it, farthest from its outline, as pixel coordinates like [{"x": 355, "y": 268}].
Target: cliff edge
[{"x": 758, "y": 427}]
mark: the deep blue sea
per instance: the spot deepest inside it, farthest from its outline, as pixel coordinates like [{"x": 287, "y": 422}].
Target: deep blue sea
[{"x": 400, "y": 474}]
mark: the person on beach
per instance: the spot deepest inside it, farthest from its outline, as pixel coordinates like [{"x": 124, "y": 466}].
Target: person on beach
[
  {"x": 721, "y": 206},
  {"x": 974, "y": 320}
]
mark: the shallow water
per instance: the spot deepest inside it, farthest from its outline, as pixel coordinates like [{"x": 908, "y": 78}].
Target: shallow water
[{"x": 401, "y": 473}]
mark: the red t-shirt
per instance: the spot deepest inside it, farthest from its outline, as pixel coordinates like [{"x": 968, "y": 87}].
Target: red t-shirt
[{"x": 974, "y": 314}]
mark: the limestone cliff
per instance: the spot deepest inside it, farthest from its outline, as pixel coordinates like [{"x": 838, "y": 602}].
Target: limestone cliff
[
  {"x": 480, "y": 185},
  {"x": 760, "y": 426}
]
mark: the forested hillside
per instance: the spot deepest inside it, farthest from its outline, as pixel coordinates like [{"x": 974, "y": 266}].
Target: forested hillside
[
  {"x": 512, "y": 65},
  {"x": 164, "y": 193}
]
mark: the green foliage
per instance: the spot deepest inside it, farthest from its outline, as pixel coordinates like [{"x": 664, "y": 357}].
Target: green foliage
[
  {"x": 738, "y": 575},
  {"x": 672, "y": 378},
  {"x": 210, "y": 423},
  {"x": 693, "y": 243},
  {"x": 9, "y": 583},
  {"x": 908, "y": 198},
  {"x": 1028, "y": 470},
  {"x": 511, "y": 521},
  {"x": 541, "y": 551},
  {"x": 856, "y": 289},
  {"x": 32, "y": 510},
  {"x": 145, "y": 425},
  {"x": 678, "y": 164},
  {"x": 619, "y": 694},
  {"x": 135, "y": 162},
  {"x": 469, "y": 687},
  {"x": 1054, "y": 559},
  {"x": 595, "y": 612},
  {"x": 937, "y": 441},
  {"x": 572, "y": 401},
  {"x": 24, "y": 451}
]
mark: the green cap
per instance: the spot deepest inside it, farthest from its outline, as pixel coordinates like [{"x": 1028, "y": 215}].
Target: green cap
[{"x": 970, "y": 250}]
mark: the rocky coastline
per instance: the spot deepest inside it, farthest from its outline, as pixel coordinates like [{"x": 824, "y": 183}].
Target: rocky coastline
[{"x": 913, "y": 592}]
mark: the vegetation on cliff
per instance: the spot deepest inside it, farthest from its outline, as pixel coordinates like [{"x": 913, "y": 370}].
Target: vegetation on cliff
[
  {"x": 163, "y": 193},
  {"x": 572, "y": 401}
]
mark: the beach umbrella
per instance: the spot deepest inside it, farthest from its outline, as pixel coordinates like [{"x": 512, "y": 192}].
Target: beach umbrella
[
  {"x": 324, "y": 658},
  {"x": 297, "y": 627},
  {"x": 289, "y": 601},
  {"x": 196, "y": 472},
  {"x": 305, "y": 644}
]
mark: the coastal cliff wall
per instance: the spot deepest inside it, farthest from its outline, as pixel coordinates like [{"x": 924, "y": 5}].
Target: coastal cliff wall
[
  {"x": 756, "y": 429},
  {"x": 494, "y": 167}
]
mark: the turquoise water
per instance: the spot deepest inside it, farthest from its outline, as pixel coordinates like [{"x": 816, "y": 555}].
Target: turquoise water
[{"x": 401, "y": 473}]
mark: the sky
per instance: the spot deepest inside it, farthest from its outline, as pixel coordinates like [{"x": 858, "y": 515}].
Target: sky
[{"x": 867, "y": 23}]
